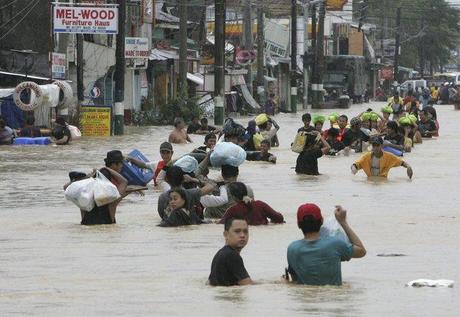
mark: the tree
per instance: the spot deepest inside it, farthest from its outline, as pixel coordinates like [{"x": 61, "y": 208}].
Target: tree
[{"x": 429, "y": 29}]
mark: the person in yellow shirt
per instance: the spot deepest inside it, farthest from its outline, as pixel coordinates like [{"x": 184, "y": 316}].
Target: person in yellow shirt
[
  {"x": 396, "y": 104},
  {"x": 378, "y": 162},
  {"x": 434, "y": 93}
]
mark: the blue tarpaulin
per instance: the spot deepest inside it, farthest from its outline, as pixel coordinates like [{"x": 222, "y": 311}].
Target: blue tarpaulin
[{"x": 11, "y": 113}]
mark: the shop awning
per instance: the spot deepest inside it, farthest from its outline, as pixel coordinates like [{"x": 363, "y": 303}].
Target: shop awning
[
  {"x": 268, "y": 78},
  {"x": 24, "y": 75},
  {"x": 6, "y": 92},
  {"x": 162, "y": 55},
  {"x": 196, "y": 78}
]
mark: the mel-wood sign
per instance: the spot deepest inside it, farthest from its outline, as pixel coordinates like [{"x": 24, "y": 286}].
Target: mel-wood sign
[{"x": 85, "y": 19}]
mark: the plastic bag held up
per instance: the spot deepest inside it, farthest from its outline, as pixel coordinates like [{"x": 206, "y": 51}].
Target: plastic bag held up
[
  {"x": 75, "y": 133},
  {"x": 331, "y": 228},
  {"x": 81, "y": 193},
  {"x": 299, "y": 142},
  {"x": 104, "y": 191},
  {"x": 227, "y": 153}
]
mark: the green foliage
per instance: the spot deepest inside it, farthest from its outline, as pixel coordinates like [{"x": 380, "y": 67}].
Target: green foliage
[
  {"x": 180, "y": 107},
  {"x": 147, "y": 117},
  {"x": 429, "y": 29}
]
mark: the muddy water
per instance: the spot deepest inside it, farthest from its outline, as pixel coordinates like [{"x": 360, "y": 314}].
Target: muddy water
[{"x": 50, "y": 265}]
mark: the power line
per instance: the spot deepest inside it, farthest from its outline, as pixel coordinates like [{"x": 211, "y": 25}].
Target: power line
[
  {"x": 31, "y": 4},
  {"x": 9, "y": 4},
  {"x": 22, "y": 19}
]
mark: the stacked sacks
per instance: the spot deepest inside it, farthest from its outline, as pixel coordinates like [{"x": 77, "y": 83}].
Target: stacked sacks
[
  {"x": 387, "y": 109},
  {"x": 187, "y": 163},
  {"x": 261, "y": 119},
  {"x": 319, "y": 119},
  {"x": 227, "y": 153},
  {"x": 318, "y": 122},
  {"x": 374, "y": 117},
  {"x": 408, "y": 122},
  {"x": 232, "y": 128},
  {"x": 333, "y": 117}
]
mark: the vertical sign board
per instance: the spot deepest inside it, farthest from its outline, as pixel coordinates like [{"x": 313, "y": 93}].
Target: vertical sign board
[
  {"x": 95, "y": 120},
  {"x": 85, "y": 19},
  {"x": 137, "y": 47},
  {"x": 58, "y": 65}
]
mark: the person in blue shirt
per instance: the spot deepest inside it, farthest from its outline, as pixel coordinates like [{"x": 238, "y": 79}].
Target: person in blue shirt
[{"x": 316, "y": 260}]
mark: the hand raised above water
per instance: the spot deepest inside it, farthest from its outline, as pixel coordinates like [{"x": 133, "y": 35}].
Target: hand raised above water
[{"x": 340, "y": 214}]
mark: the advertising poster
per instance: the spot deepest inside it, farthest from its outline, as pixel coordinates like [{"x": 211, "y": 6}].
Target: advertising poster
[
  {"x": 85, "y": 19},
  {"x": 95, "y": 120},
  {"x": 58, "y": 65}
]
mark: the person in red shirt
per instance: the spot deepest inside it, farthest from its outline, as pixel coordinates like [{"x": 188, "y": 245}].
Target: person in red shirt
[{"x": 255, "y": 212}]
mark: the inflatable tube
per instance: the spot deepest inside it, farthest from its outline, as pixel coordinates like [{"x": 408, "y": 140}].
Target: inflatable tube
[
  {"x": 65, "y": 99},
  {"x": 23, "y": 141},
  {"x": 32, "y": 141},
  {"x": 33, "y": 87},
  {"x": 393, "y": 151}
]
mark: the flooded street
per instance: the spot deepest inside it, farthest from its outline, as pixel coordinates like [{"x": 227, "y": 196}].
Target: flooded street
[{"x": 50, "y": 265}]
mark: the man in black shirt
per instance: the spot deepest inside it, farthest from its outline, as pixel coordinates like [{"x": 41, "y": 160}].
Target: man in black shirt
[
  {"x": 426, "y": 126},
  {"x": 354, "y": 137},
  {"x": 194, "y": 125},
  {"x": 394, "y": 139},
  {"x": 30, "y": 130},
  {"x": 227, "y": 268},
  {"x": 306, "y": 119},
  {"x": 263, "y": 154},
  {"x": 315, "y": 147},
  {"x": 61, "y": 132},
  {"x": 205, "y": 127}
]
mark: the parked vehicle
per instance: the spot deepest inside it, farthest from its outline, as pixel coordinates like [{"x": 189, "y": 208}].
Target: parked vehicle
[
  {"x": 345, "y": 75},
  {"x": 412, "y": 84}
]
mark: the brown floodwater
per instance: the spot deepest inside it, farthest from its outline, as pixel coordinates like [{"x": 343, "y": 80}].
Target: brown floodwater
[{"x": 51, "y": 266}]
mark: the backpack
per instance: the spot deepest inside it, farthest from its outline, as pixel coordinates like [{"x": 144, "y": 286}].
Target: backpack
[{"x": 299, "y": 142}]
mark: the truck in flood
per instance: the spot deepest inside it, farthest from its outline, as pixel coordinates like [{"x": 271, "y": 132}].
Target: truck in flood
[{"x": 345, "y": 80}]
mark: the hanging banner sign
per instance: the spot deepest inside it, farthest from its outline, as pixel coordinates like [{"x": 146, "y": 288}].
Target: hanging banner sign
[
  {"x": 95, "y": 120},
  {"x": 137, "y": 47},
  {"x": 58, "y": 65},
  {"x": 335, "y": 5},
  {"x": 85, "y": 19}
]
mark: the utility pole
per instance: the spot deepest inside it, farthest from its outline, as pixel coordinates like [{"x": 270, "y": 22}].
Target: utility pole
[
  {"x": 80, "y": 84},
  {"x": 183, "y": 49},
  {"x": 317, "y": 83},
  {"x": 248, "y": 40},
  {"x": 397, "y": 43},
  {"x": 260, "y": 54},
  {"x": 119, "y": 77},
  {"x": 421, "y": 44},
  {"x": 305, "y": 54},
  {"x": 313, "y": 41},
  {"x": 294, "y": 56},
  {"x": 219, "y": 65}
]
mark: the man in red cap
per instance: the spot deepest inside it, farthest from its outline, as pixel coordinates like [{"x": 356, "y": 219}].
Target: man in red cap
[{"x": 315, "y": 259}]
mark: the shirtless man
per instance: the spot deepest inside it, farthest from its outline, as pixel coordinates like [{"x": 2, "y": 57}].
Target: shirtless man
[{"x": 179, "y": 135}]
